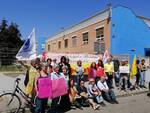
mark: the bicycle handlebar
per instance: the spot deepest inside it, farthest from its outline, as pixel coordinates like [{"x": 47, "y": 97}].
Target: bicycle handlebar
[{"x": 17, "y": 80}]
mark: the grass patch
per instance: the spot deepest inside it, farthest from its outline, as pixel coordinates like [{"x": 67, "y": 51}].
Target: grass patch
[{"x": 7, "y": 68}]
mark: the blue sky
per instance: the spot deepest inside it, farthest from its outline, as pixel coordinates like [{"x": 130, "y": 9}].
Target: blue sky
[{"x": 49, "y": 16}]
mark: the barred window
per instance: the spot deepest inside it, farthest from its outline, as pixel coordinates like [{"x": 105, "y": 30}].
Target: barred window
[
  {"x": 100, "y": 34},
  {"x": 85, "y": 38},
  {"x": 48, "y": 47},
  {"x": 74, "y": 41},
  {"x": 59, "y": 45},
  {"x": 66, "y": 43}
]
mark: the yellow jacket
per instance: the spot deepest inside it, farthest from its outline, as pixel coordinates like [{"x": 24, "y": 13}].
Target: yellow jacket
[{"x": 32, "y": 75}]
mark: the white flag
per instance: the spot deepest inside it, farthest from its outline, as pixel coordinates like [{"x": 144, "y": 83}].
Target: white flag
[
  {"x": 28, "y": 50},
  {"x": 106, "y": 56}
]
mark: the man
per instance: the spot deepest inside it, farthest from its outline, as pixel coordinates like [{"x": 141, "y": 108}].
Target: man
[
  {"x": 108, "y": 94},
  {"x": 143, "y": 69},
  {"x": 94, "y": 93},
  {"x": 116, "y": 72}
]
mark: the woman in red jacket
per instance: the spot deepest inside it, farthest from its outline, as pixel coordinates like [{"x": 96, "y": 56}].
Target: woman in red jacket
[{"x": 100, "y": 69}]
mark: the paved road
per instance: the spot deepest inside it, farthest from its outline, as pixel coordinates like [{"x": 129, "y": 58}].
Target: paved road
[{"x": 133, "y": 104}]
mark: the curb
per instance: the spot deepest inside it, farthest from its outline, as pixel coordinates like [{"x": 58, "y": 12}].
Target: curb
[{"x": 131, "y": 94}]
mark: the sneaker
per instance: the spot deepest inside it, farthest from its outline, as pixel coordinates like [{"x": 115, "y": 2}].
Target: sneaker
[
  {"x": 116, "y": 102},
  {"x": 80, "y": 108},
  {"x": 96, "y": 107},
  {"x": 112, "y": 102},
  {"x": 102, "y": 104},
  {"x": 145, "y": 87},
  {"x": 73, "y": 107}
]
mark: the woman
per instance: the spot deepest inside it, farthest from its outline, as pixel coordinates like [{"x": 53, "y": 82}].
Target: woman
[
  {"x": 41, "y": 102},
  {"x": 100, "y": 69},
  {"x": 65, "y": 101},
  {"x": 62, "y": 63},
  {"x": 56, "y": 101},
  {"x": 49, "y": 66},
  {"x": 69, "y": 67},
  {"x": 73, "y": 95},
  {"x": 31, "y": 74},
  {"x": 92, "y": 71}
]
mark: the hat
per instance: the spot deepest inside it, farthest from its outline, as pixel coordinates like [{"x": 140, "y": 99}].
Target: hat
[
  {"x": 91, "y": 80},
  {"x": 64, "y": 67}
]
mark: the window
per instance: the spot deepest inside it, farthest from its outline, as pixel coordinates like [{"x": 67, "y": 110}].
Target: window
[
  {"x": 99, "y": 47},
  {"x": 54, "y": 46},
  {"x": 66, "y": 43},
  {"x": 100, "y": 34},
  {"x": 85, "y": 38},
  {"x": 48, "y": 47},
  {"x": 59, "y": 44},
  {"x": 74, "y": 41}
]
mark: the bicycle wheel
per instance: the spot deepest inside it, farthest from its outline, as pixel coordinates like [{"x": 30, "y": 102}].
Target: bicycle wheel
[{"x": 9, "y": 103}]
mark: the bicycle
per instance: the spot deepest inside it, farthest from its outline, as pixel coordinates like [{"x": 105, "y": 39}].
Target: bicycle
[{"x": 11, "y": 102}]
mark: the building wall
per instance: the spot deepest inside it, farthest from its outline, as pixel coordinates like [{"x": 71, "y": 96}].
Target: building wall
[
  {"x": 80, "y": 47},
  {"x": 129, "y": 34}
]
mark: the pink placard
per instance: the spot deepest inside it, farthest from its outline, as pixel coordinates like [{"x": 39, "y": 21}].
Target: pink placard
[
  {"x": 59, "y": 87},
  {"x": 44, "y": 87}
]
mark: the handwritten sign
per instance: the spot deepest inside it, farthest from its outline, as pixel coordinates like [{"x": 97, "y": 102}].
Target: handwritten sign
[
  {"x": 124, "y": 69},
  {"x": 44, "y": 87}
]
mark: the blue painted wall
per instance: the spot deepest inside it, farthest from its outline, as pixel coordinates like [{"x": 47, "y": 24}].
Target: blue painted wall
[
  {"x": 40, "y": 42},
  {"x": 128, "y": 32}
]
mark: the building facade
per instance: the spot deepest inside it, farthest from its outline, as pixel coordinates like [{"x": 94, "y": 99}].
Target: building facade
[
  {"x": 118, "y": 29},
  {"x": 84, "y": 37}
]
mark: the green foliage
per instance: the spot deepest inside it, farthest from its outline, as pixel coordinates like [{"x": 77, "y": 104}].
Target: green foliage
[
  {"x": 7, "y": 68},
  {"x": 10, "y": 42}
]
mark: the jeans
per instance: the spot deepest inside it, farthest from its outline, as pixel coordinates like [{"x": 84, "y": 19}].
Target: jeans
[
  {"x": 117, "y": 78},
  {"x": 40, "y": 105},
  {"x": 137, "y": 78},
  {"x": 142, "y": 79},
  {"x": 124, "y": 81},
  {"x": 99, "y": 99},
  {"x": 109, "y": 80},
  {"x": 109, "y": 96},
  {"x": 55, "y": 105}
]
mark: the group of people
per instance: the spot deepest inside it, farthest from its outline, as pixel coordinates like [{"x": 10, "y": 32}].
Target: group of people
[{"x": 83, "y": 91}]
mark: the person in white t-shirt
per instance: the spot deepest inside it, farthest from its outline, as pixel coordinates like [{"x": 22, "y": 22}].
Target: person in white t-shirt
[{"x": 108, "y": 94}]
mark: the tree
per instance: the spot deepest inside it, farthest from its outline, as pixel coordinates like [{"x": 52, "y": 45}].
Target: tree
[{"x": 10, "y": 42}]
